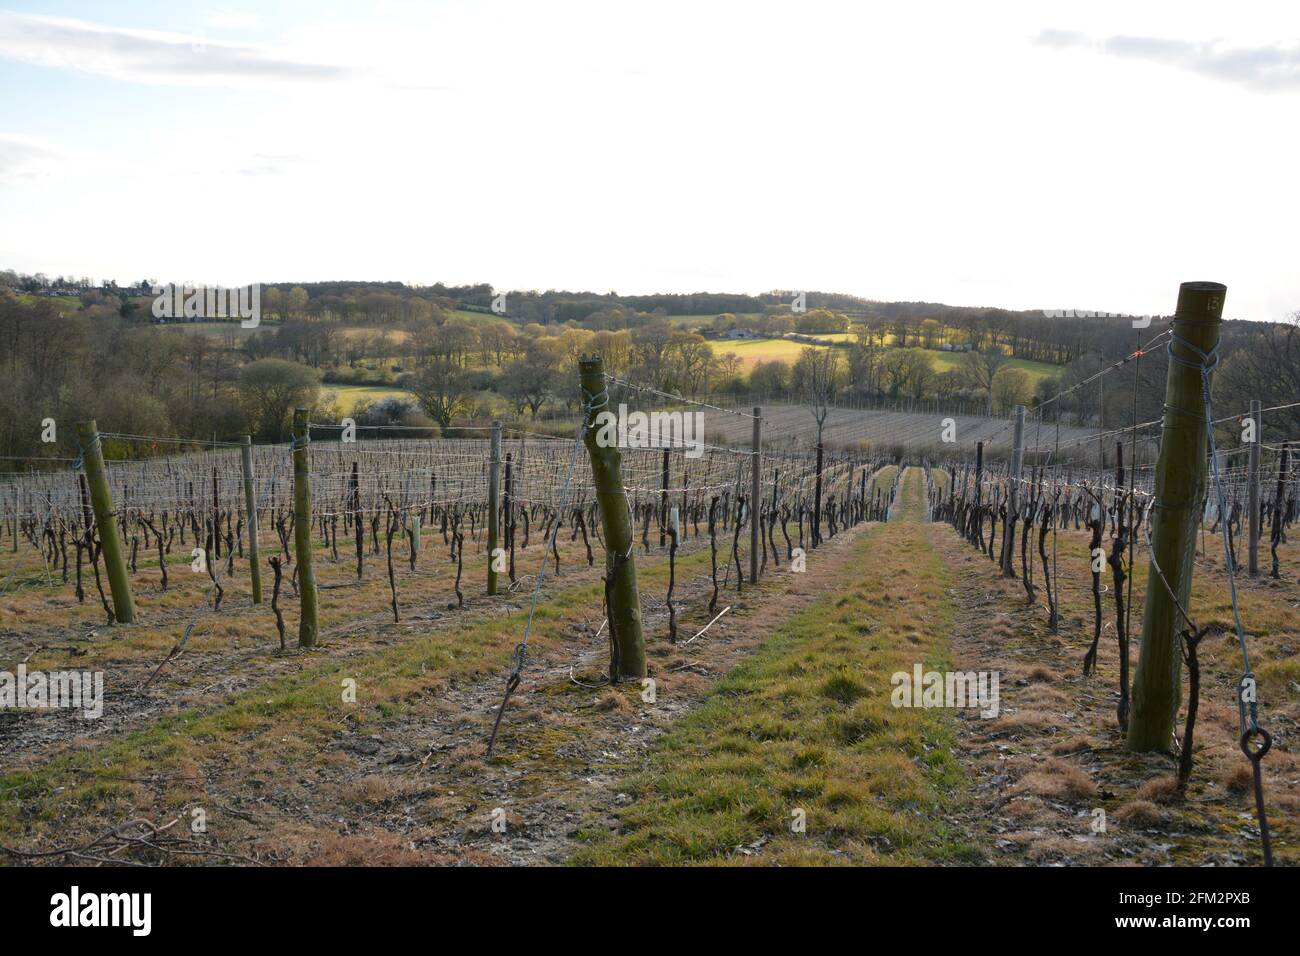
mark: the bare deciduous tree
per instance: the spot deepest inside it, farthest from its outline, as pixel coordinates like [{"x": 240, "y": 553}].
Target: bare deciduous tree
[
  {"x": 981, "y": 368},
  {"x": 442, "y": 389},
  {"x": 817, "y": 373},
  {"x": 1266, "y": 366}
]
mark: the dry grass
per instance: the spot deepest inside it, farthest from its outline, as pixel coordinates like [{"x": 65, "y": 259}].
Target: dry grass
[
  {"x": 1059, "y": 780},
  {"x": 1024, "y": 722},
  {"x": 1239, "y": 779},
  {"x": 375, "y": 848},
  {"x": 1073, "y": 745},
  {"x": 1159, "y": 790},
  {"x": 375, "y": 789},
  {"x": 1139, "y": 813},
  {"x": 614, "y": 701}
]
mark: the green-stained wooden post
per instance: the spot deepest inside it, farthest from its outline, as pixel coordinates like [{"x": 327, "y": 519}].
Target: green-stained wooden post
[
  {"x": 1180, "y": 486},
  {"x": 250, "y": 507},
  {"x": 307, "y": 624},
  {"x": 101, "y": 500},
  {"x": 620, "y": 566},
  {"x": 494, "y": 505}
]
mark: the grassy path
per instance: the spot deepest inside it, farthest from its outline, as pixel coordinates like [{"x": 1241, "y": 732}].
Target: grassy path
[{"x": 804, "y": 732}]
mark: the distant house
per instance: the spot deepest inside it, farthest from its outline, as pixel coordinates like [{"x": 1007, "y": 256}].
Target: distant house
[{"x": 741, "y": 334}]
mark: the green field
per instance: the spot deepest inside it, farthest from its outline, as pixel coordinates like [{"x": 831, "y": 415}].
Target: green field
[
  {"x": 943, "y": 361},
  {"x": 482, "y": 318},
  {"x": 753, "y": 351},
  {"x": 706, "y": 321},
  {"x": 349, "y": 396},
  {"x": 218, "y": 328},
  {"x": 65, "y": 305}
]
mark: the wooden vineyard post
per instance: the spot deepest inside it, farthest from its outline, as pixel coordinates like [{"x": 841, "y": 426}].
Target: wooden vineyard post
[
  {"x": 307, "y": 624},
  {"x": 756, "y": 492},
  {"x": 216, "y": 514},
  {"x": 508, "y": 508},
  {"x": 494, "y": 506},
  {"x": 1179, "y": 493},
  {"x": 817, "y": 499},
  {"x": 1013, "y": 504},
  {"x": 358, "y": 519},
  {"x": 250, "y": 506},
  {"x": 1252, "y": 487},
  {"x": 1101, "y": 415},
  {"x": 663, "y": 502},
  {"x": 620, "y": 566},
  {"x": 101, "y": 500},
  {"x": 952, "y": 488}
]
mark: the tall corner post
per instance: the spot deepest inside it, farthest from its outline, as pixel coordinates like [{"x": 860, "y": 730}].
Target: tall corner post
[{"x": 1180, "y": 487}]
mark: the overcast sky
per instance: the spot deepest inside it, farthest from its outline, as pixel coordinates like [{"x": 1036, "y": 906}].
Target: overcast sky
[{"x": 1026, "y": 155}]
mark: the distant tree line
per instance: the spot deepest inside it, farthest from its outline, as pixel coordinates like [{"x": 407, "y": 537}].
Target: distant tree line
[{"x": 102, "y": 354}]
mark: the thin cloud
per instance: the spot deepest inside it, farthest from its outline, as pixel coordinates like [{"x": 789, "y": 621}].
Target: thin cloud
[
  {"x": 1263, "y": 68},
  {"x": 22, "y": 157},
  {"x": 149, "y": 56}
]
